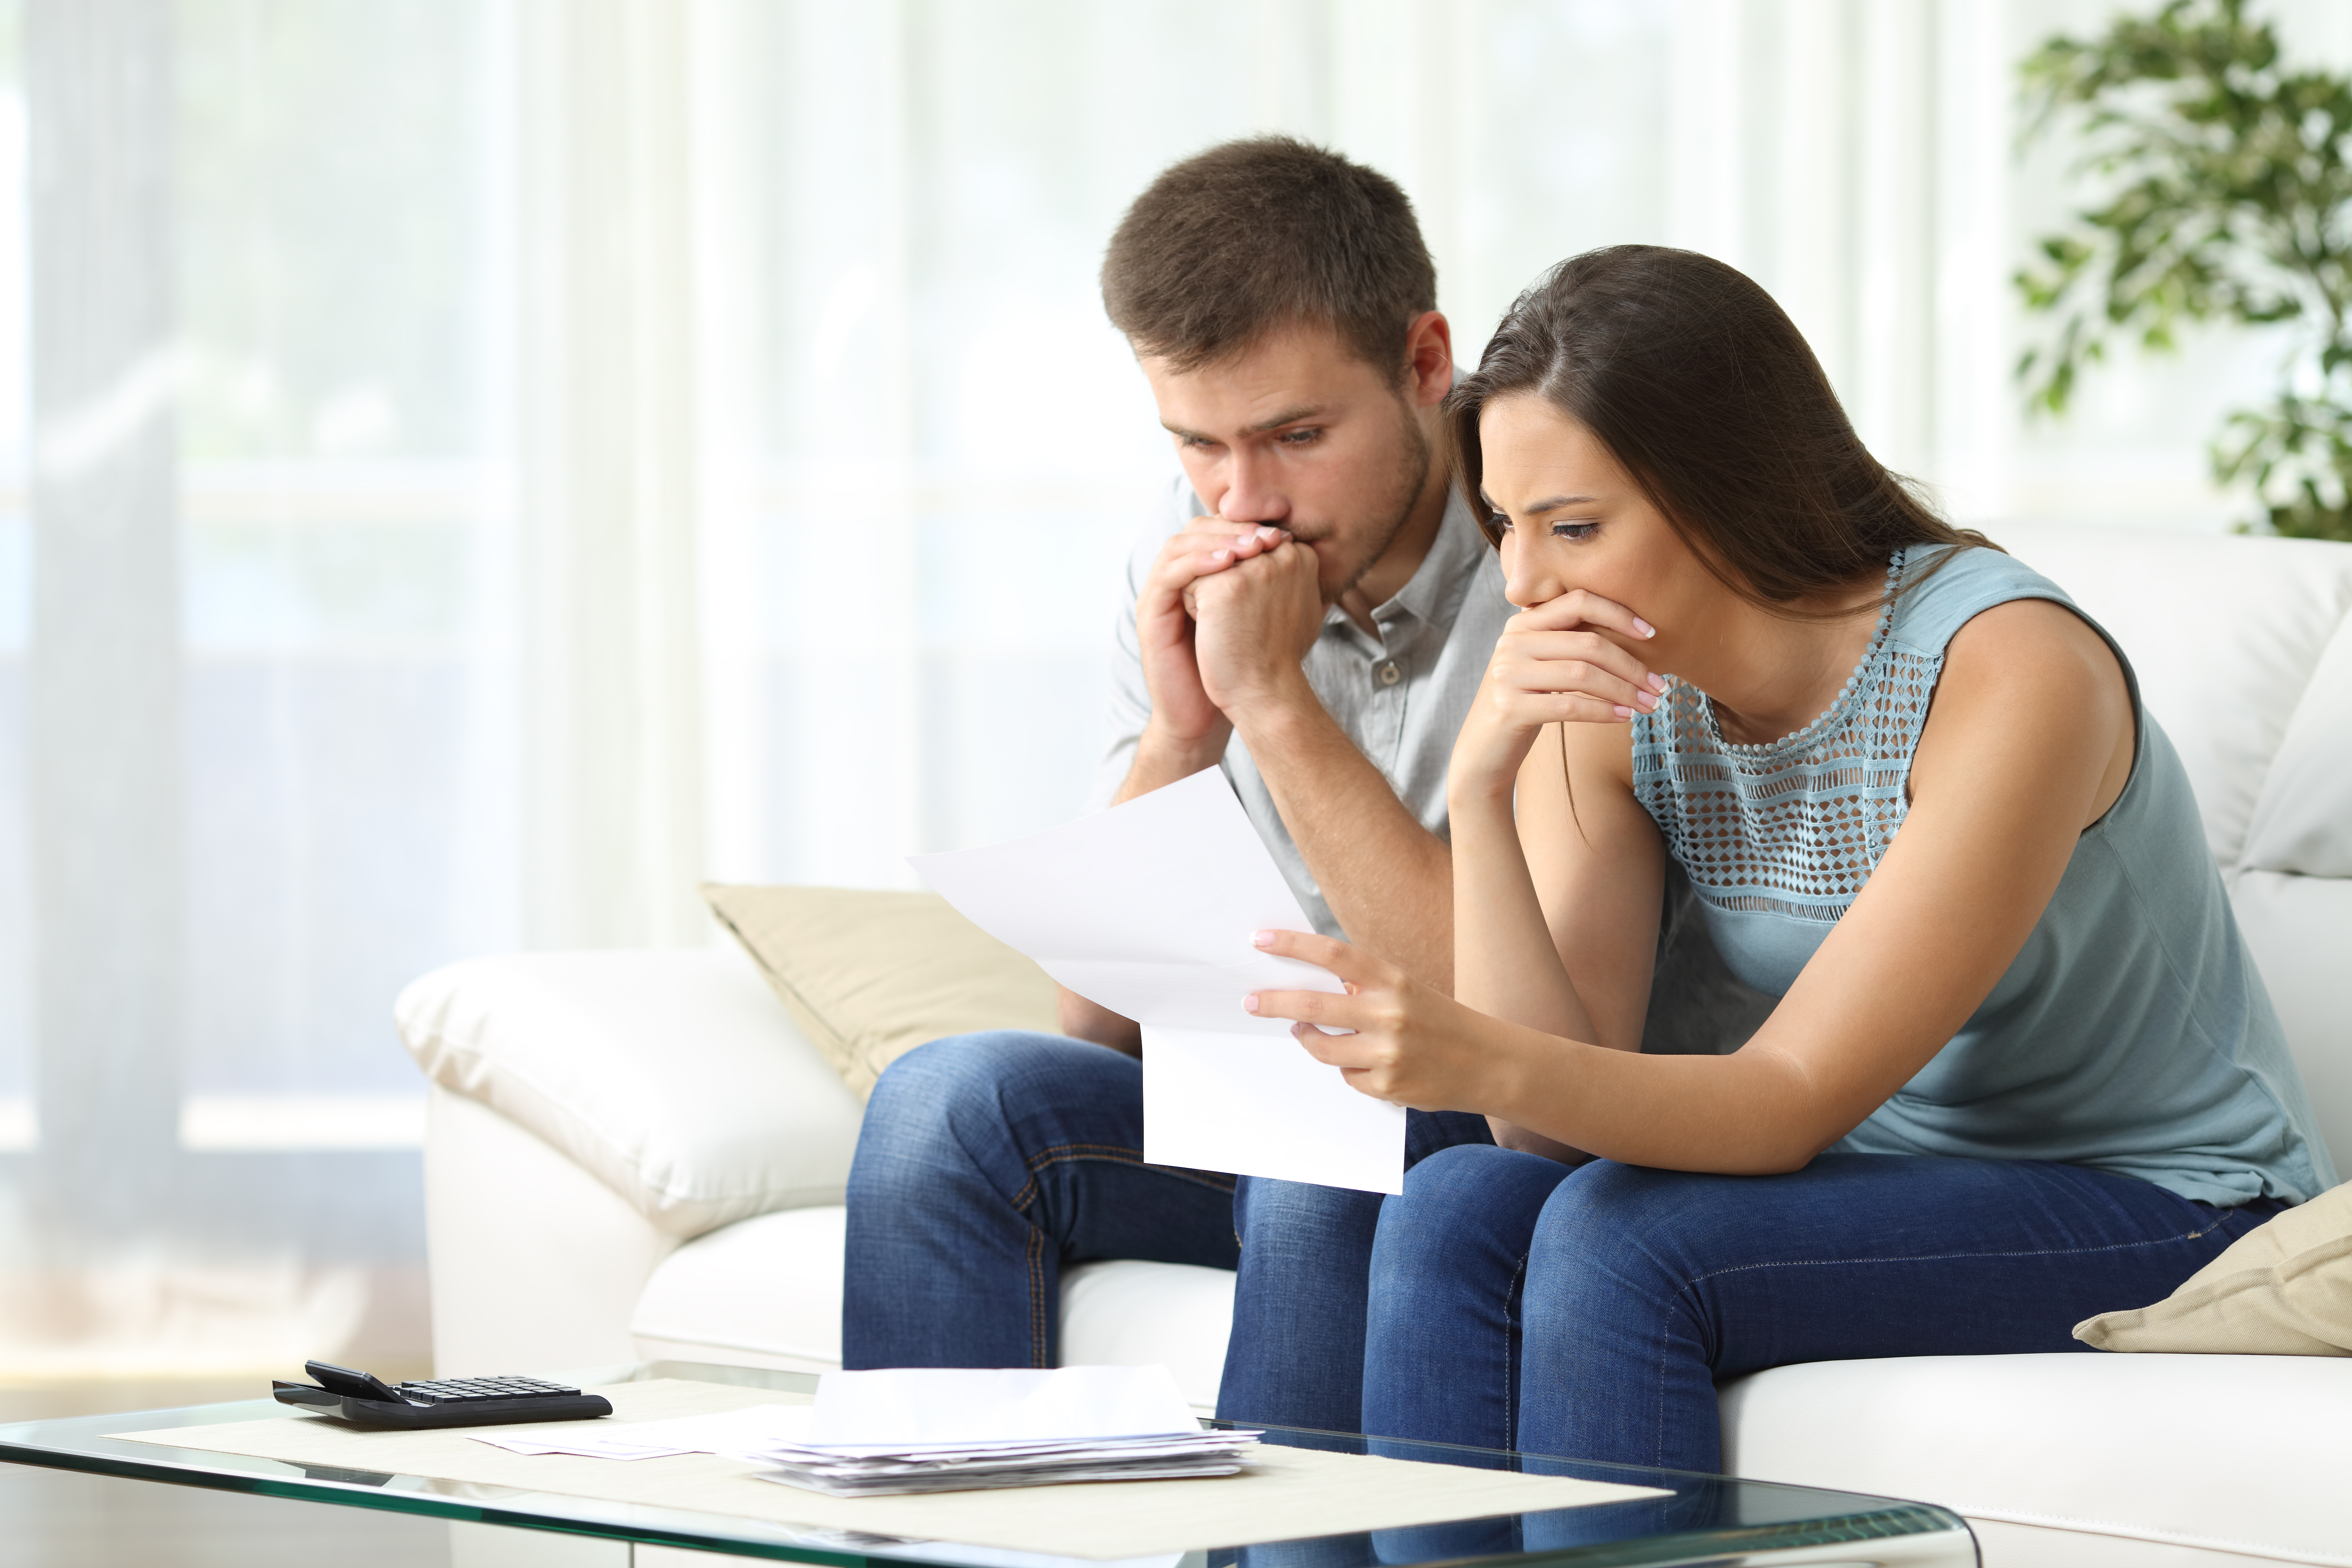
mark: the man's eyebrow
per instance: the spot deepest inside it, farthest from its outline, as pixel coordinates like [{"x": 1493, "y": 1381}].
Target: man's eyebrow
[{"x": 1287, "y": 416}]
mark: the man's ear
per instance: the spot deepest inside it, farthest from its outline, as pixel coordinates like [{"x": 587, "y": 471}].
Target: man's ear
[{"x": 1429, "y": 358}]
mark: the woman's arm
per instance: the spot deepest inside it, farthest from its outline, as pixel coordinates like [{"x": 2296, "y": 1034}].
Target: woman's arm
[
  {"x": 2029, "y": 742},
  {"x": 1556, "y": 892},
  {"x": 1556, "y": 885}
]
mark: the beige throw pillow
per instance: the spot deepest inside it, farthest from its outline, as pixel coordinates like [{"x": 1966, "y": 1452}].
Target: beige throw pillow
[
  {"x": 2282, "y": 1289},
  {"x": 870, "y": 976}
]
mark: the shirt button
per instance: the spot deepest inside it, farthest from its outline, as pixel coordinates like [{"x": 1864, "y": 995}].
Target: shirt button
[{"x": 1390, "y": 674}]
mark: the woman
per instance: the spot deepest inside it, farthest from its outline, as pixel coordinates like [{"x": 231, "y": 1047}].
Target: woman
[{"x": 2021, "y": 1070}]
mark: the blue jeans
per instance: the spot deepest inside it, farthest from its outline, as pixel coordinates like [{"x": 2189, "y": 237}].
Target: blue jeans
[
  {"x": 1297, "y": 1354},
  {"x": 1588, "y": 1312},
  {"x": 987, "y": 1162}
]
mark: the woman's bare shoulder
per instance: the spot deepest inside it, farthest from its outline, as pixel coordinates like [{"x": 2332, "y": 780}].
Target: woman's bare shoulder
[
  {"x": 2029, "y": 687},
  {"x": 2030, "y": 648}
]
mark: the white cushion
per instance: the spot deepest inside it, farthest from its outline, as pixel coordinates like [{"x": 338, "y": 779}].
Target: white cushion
[
  {"x": 677, "y": 1078},
  {"x": 2228, "y": 1453},
  {"x": 2302, "y": 823},
  {"x": 767, "y": 1291},
  {"x": 764, "y": 1291},
  {"x": 2298, "y": 929},
  {"x": 2224, "y": 635}
]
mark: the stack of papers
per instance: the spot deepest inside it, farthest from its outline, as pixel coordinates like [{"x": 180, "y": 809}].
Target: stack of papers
[
  {"x": 957, "y": 1430},
  {"x": 934, "y": 1430},
  {"x": 922, "y": 1468}
]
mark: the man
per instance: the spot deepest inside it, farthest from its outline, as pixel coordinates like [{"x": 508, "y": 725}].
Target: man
[{"x": 1313, "y": 616}]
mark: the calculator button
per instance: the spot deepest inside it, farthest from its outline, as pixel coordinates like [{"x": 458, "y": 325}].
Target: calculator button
[{"x": 481, "y": 1390}]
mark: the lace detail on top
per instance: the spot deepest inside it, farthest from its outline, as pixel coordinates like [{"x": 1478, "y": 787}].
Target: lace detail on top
[{"x": 1793, "y": 826}]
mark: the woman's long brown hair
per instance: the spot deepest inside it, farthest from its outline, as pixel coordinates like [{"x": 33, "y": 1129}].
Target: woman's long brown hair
[{"x": 1700, "y": 386}]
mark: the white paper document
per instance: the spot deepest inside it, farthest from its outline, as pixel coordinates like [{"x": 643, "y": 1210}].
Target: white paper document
[
  {"x": 930, "y": 1430},
  {"x": 1147, "y": 910}
]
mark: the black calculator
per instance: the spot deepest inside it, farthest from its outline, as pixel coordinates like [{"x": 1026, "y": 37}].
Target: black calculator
[{"x": 367, "y": 1400}]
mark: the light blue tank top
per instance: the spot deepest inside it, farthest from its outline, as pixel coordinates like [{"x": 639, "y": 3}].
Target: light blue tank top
[{"x": 2132, "y": 1033}]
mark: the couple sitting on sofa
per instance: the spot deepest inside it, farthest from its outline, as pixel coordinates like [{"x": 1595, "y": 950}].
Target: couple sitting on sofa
[{"x": 2016, "y": 1068}]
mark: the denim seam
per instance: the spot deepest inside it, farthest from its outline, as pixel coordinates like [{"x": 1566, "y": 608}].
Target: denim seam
[
  {"x": 1511, "y": 1372},
  {"x": 1665, "y": 1318},
  {"x": 1037, "y": 1357},
  {"x": 1053, "y": 1154},
  {"x": 1117, "y": 1154},
  {"x": 1955, "y": 1257}
]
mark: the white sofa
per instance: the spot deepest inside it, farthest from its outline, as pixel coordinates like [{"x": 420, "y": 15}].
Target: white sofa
[{"x": 636, "y": 1155}]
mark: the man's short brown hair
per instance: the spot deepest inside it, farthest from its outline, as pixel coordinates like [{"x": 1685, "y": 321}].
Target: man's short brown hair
[{"x": 1257, "y": 235}]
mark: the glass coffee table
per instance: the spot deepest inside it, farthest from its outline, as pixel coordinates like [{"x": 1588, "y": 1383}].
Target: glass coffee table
[{"x": 1700, "y": 1519}]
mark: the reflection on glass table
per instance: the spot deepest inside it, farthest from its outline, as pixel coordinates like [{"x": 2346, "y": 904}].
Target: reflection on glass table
[{"x": 1702, "y": 1519}]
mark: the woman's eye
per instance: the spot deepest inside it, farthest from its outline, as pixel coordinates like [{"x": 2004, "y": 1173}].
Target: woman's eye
[{"x": 1574, "y": 532}]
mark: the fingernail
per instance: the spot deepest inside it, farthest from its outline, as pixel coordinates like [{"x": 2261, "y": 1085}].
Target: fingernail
[
  {"x": 1621, "y": 711},
  {"x": 1250, "y": 1002},
  {"x": 1262, "y": 938},
  {"x": 1644, "y": 627},
  {"x": 1658, "y": 684},
  {"x": 1649, "y": 703},
  {"x": 1219, "y": 554}
]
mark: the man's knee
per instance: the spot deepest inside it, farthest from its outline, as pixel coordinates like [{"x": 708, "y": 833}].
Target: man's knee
[
  {"x": 934, "y": 1086},
  {"x": 987, "y": 1072},
  {"x": 955, "y": 1098},
  {"x": 947, "y": 1070}
]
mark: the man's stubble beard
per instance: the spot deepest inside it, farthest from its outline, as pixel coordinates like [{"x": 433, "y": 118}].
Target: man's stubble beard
[{"x": 1412, "y": 477}]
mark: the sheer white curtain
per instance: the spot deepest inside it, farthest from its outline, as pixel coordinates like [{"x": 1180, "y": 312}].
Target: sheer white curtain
[
  {"x": 501, "y": 461},
  {"x": 255, "y": 617}
]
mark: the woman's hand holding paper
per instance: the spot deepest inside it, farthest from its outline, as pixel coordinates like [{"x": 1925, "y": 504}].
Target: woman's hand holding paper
[{"x": 1409, "y": 1045}]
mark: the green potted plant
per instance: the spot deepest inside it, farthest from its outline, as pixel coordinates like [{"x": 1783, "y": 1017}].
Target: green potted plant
[{"x": 2230, "y": 198}]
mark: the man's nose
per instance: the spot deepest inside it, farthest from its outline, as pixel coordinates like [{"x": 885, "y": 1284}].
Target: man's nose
[{"x": 1252, "y": 495}]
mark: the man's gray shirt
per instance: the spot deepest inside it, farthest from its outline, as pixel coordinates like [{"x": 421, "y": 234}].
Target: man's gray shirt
[{"x": 1401, "y": 697}]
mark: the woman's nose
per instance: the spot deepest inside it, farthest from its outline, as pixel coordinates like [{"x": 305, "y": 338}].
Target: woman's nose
[{"x": 1528, "y": 579}]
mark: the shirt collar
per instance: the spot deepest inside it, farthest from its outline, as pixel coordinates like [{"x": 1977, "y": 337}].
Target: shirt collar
[{"x": 1433, "y": 594}]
